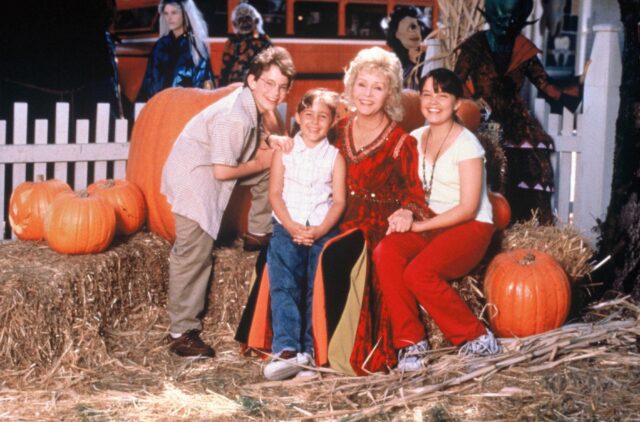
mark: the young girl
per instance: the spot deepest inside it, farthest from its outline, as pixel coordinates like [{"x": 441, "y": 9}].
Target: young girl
[
  {"x": 307, "y": 193},
  {"x": 414, "y": 267}
]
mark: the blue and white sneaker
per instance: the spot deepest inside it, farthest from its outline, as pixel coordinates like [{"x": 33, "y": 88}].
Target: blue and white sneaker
[
  {"x": 485, "y": 345},
  {"x": 411, "y": 358}
]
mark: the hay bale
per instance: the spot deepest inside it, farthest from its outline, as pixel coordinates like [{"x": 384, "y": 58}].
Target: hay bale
[
  {"x": 563, "y": 242},
  {"x": 53, "y": 307}
]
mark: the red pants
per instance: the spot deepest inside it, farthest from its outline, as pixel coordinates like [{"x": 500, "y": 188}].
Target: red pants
[{"x": 414, "y": 268}]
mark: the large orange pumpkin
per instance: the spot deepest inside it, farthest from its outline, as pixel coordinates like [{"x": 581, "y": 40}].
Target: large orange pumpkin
[
  {"x": 154, "y": 132},
  {"x": 501, "y": 210},
  {"x": 127, "y": 201},
  {"x": 528, "y": 293},
  {"x": 29, "y": 203},
  {"x": 77, "y": 223}
]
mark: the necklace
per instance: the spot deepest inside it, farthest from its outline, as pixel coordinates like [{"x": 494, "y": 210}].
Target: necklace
[
  {"x": 367, "y": 132},
  {"x": 429, "y": 185}
]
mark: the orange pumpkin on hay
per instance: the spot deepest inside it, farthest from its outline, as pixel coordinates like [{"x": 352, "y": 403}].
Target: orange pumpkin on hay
[
  {"x": 127, "y": 201},
  {"x": 156, "y": 129},
  {"x": 527, "y": 292},
  {"x": 29, "y": 203},
  {"x": 77, "y": 223}
]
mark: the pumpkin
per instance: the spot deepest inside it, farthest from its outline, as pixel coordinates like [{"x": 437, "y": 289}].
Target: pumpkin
[
  {"x": 154, "y": 133},
  {"x": 500, "y": 209},
  {"x": 127, "y": 201},
  {"x": 29, "y": 203},
  {"x": 469, "y": 113},
  {"x": 77, "y": 223},
  {"x": 413, "y": 117},
  {"x": 527, "y": 292}
]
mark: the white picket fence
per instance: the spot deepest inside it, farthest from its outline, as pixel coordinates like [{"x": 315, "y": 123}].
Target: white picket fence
[{"x": 583, "y": 160}]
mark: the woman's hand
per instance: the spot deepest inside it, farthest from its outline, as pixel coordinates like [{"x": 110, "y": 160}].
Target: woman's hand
[{"x": 400, "y": 221}]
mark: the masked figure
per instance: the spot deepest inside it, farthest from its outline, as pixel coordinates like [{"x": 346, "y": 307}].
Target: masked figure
[
  {"x": 494, "y": 64},
  {"x": 406, "y": 29},
  {"x": 248, "y": 40},
  {"x": 180, "y": 57}
]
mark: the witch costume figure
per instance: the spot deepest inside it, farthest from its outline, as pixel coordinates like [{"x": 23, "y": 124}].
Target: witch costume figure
[
  {"x": 406, "y": 28},
  {"x": 247, "y": 40},
  {"x": 494, "y": 64},
  {"x": 180, "y": 57}
]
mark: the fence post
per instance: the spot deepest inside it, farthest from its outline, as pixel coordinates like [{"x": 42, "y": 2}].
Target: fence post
[{"x": 601, "y": 103}]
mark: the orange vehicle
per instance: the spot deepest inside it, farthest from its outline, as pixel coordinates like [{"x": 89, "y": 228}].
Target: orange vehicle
[{"x": 322, "y": 36}]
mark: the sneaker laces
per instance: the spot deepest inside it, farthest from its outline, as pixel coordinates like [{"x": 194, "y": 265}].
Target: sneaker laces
[
  {"x": 410, "y": 357},
  {"x": 485, "y": 345}
]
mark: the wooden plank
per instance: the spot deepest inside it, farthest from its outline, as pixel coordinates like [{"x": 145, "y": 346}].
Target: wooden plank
[
  {"x": 20, "y": 114},
  {"x": 61, "y": 138},
  {"x": 62, "y": 153},
  {"x": 81, "y": 166},
  {"x": 137, "y": 109},
  {"x": 568, "y": 122},
  {"x": 120, "y": 166},
  {"x": 562, "y": 195},
  {"x": 41, "y": 133},
  {"x": 567, "y": 143},
  {"x": 102, "y": 137},
  {"x": 20, "y": 122}
]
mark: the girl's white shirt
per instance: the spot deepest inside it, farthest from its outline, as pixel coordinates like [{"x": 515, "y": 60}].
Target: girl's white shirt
[
  {"x": 308, "y": 173},
  {"x": 445, "y": 191}
]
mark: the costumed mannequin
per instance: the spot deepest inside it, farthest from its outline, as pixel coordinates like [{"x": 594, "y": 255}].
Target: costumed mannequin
[
  {"x": 406, "y": 28},
  {"x": 248, "y": 40},
  {"x": 180, "y": 57},
  {"x": 494, "y": 64}
]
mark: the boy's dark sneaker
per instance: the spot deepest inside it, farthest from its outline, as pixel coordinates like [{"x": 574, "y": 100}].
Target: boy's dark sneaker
[{"x": 189, "y": 344}]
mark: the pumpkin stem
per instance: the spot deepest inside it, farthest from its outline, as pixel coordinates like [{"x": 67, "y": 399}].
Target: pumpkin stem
[
  {"x": 39, "y": 178},
  {"x": 83, "y": 194},
  {"x": 528, "y": 259},
  {"x": 110, "y": 183}
]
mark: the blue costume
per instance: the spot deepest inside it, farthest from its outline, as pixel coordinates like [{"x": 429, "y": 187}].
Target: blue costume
[{"x": 171, "y": 64}]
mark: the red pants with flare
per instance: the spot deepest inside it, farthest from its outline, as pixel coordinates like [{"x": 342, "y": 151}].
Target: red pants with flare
[{"x": 414, "y": 268}]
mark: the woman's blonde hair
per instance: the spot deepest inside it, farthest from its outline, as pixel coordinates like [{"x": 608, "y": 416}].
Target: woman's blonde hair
[{"x": 378, "y": 59}]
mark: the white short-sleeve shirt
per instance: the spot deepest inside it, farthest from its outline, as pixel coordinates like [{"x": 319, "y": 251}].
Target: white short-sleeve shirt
[
  {"x": 445, "y": 192},
  {"x": 308, "y": 174}
]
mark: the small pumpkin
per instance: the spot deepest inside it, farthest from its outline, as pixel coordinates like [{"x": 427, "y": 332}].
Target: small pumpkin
[
  {"x": 29, "y": 203},
  {"x": 77, "y": 223},
  {"x": 127, "y": 201},
  {"x": 528, "y": 293},
  {"x": 500, "y": 209}
]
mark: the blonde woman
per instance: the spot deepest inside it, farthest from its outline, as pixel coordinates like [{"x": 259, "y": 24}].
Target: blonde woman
[
  {"x": 180, "y": 57},
  {"x": 383, "y": 189}
]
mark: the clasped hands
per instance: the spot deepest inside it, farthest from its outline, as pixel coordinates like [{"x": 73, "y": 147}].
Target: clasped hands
[
  {"x": 400, "y": 221},
  {"x": 304, "y": 235}
]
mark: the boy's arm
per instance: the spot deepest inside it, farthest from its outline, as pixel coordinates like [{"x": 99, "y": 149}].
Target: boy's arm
[
  {"x": 339, "y": 196},
  {"x": 260, "y": 162}
]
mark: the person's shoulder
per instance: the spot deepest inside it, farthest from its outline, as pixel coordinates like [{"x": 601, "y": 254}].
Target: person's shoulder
[{"x": 469, "y": 141}]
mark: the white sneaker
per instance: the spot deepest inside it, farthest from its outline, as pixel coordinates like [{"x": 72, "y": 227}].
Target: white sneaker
[
  {"x": 285, "y": 365},
  {"x": 411, "y": 358},
  {"x": 485, "y": 345},
  {"x": 308, "y": 373}
]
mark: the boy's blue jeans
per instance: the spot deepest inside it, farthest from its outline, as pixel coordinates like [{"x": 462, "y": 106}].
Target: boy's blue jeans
[{"x": 292, "y": 269}]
